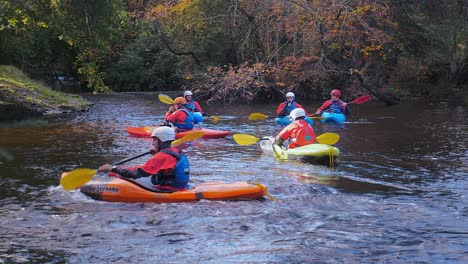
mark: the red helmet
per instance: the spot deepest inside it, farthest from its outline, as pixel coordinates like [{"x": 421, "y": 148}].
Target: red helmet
[{"x": 336, "y": 93}]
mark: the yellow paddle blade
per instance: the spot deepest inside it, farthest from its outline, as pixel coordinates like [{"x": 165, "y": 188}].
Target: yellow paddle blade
[
  {"x": 316, "y": 117},
  {"x": 165, "y": 99},
  {"x": 188, "y": 137},
  {"x": 244, "y": 139},
  {"x": 257, "y": 116},
  {"x": 278, "y": 151},
  {"x": 215, "y": 119},
  {"x": 76, "y": 178},
  {"x": 328, "y": 138}
]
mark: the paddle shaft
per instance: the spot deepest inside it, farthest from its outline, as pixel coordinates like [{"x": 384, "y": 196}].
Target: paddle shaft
[{"x": 132, "y": 158}]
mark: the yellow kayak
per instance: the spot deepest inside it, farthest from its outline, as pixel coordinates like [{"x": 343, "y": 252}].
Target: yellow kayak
[{"x": 317, "y": 152}]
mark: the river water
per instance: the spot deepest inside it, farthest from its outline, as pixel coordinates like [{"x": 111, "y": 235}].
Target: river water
[{"x": 398, "y": 193}]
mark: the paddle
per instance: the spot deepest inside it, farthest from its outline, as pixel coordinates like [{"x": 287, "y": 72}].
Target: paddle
[
  {"x": 168, "y": 100},
  {"x": 165, "y": 99},
  {"x": 188, "y": 137},
  {"x": 261, "y": 116},
  {"x": 325, "y": 138},
  {"x": 78, "y": 177},
  {"x": 361, "y": 100}
]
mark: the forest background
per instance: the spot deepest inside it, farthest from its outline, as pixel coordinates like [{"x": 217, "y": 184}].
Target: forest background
[{"x": 246, "y": 51}]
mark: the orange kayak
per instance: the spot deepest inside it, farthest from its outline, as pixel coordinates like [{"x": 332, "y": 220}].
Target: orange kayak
[
  {"x": 207, "y": 133},
  {"x": 132, "y": 191}
]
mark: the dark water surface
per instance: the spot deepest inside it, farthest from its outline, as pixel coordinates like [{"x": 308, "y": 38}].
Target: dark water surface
[{"x": 397, "y": 195}]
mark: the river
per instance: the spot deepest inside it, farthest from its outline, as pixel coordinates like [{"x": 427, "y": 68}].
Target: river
[{"x": 398, "y": 193}]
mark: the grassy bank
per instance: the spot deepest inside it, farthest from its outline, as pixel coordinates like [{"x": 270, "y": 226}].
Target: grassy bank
[{"x": 21, "y": 97}]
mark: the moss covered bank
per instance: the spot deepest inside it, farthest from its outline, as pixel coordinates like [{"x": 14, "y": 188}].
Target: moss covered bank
[{"x": 21, "y": 97}]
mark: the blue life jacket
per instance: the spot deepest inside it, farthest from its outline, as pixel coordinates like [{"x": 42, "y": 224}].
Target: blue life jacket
[
  {"x": 189, "y": 121},
  {"x": 336, "y": 106},
  {"x": 287, "y": 109},
  {"x": 181, "y": 175},
  {"x": 191, "y": 105}
]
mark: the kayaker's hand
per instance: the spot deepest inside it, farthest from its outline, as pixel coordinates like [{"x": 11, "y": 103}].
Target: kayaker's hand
[
  {"x": 153, "y": 151},
  {"x": 317, "y": 113},
  {"x": 172, "y": 109},
  {"x": 105, "y": 168}
]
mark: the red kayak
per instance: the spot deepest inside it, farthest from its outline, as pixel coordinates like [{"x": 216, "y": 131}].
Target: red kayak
[{"x": 207, "y": 133}]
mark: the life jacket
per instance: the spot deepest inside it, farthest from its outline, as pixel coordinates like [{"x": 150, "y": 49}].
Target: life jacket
[
  {"x": 287, "y": 109},
  {"x": 305, "y": 135},
  {"x": 336, "y": 106},
  {"x": 189, "y": 121},
  {"x": 191, "y": 105},
  {"x": 180, "y": 175}
]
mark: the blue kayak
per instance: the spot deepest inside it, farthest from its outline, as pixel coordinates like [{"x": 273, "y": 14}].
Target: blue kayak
[
  {"x": 337, "y": 118},
  {"x": 284, "y": 121}
]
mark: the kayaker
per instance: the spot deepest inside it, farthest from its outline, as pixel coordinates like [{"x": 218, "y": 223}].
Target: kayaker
[
  {"x": 299, "y": 132},
  {"x": 179, "y": 115},
  {"x": 188, "y": 95},
  {"x": 287, "y": 106},
  {"x": 161, "y": 167},
  {"x": 334, "y": 105}
]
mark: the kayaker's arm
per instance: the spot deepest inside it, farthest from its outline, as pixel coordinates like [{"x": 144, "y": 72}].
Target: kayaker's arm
[
  {"x": 279, "y": 141},
  {"x": 133, "y": 174}
]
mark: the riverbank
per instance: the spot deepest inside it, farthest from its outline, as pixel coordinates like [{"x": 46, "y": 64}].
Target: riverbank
[{"x": 21, "y": 98}]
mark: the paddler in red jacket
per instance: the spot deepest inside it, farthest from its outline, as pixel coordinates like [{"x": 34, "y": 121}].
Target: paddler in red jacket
[
  {"x": 161, "y": 166},
  {"x": 334, "y": 105},
  {"x": 299, "y": 132},
  {"x": 180, "y": 116}
]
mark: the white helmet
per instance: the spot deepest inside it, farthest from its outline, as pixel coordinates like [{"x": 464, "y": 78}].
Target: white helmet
[
  {"x": 164, "y": 133},
  {"x": 295, "y": 113},
  {"x": 290, "y": 94},
  {"x": 187, "y": 93}
]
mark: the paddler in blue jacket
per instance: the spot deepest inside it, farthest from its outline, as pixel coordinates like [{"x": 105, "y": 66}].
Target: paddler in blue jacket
[{"x": 285, "y": 108}]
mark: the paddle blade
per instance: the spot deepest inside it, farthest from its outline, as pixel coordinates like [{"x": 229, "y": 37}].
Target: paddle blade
[
  {"x": 188, "y": 137},
  {"x": 362, "y": 99},
  {"x": 277, "y": 151},
  {"x": 215, "y": 119},
  {"x": 165, "y": 99},
  {"x": 244, "y": 139},
  {"x": 257, "y": 116},
  {"x": 76, "y": 178},
  {"x": 328, "y": 138}
]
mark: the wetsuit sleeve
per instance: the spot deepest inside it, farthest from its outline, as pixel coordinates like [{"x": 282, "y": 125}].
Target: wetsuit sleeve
[
  {"x": 281, "y": 111},
  {"x": 178, "y": 117},
  {"x": 197, "y": 105},
  {"x": 285, "y": 133},
  {"x": 324, "y": 106},
  {"x": 159, "y": 161},
  {"x": 133, "y": 174}
]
